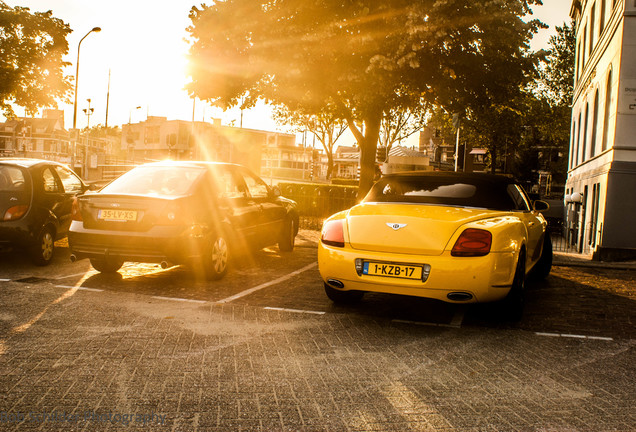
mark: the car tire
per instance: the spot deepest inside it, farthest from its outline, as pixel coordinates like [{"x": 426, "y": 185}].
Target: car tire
[
  {"x": 343, "y": 297},
  {"x": 106, "y": 265},
  {"x": 544, "y": 265},
  {"x": 288, "y": 235},
  {"x": 512, "y": 306},
  {"x": 42, "y": 251},
  {"x": 217, "y": 257}
]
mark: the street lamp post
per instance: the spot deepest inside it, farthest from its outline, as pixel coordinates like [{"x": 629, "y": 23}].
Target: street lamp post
[
  {"x": 94, "y": 29},
  {"x": 130, "y": 113}
]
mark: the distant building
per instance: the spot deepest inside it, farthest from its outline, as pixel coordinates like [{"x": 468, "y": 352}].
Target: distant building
[
  {"x": 402, "y": 159},
  {"x": 270, "y": 154},
  {"x": 346, "y": 162},
  {"x": 599, "y": 192},
  {"x": 46, "y": 138}
]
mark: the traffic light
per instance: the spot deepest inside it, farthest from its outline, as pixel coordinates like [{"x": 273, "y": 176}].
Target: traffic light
[{"x": 380, "y": 154}]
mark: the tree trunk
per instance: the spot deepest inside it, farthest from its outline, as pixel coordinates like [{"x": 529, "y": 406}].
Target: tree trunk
[{"x": 329, "y": 165}]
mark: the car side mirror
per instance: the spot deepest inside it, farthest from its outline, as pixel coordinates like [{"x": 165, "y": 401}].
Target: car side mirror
[
  {"x": 275, "y": 191},
  {"x": 540, "y": 206}
]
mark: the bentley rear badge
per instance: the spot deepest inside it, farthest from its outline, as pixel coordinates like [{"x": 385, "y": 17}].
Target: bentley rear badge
[{"x": 395, "y": 226}]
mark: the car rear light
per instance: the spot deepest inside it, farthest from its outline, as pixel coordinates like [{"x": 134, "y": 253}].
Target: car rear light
[
  {"x": 15, "y": 212},
  {"x": 472, "y": 242},
  {"x": 332, "y": 233},
  {"x": 76, "y": 214}
]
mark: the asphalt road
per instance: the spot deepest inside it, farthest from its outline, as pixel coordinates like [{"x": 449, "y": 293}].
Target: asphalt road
[{"x": 264, "y": 349}]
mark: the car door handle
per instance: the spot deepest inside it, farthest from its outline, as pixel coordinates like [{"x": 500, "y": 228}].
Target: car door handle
[{"x": 530, "y": 223}]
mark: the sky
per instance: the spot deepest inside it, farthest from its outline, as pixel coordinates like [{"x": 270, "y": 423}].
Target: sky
[{"x": 143, "y": 46}]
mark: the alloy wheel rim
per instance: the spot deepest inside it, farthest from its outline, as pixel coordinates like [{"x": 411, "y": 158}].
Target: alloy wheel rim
[
  {"x": 219, "y": 254},
  {"x": 47, "y": 246}
]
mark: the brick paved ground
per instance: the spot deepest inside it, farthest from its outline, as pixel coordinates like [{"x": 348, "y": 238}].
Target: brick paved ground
[{"x": 80, "y": 356}]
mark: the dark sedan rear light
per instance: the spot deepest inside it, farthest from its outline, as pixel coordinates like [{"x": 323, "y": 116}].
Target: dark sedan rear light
[
  {"x": 15, "y": 212},
  {"x": 332, "y": 233},
  {"x": 76, "y": 214},
  {"x": 472, "y": 243}
]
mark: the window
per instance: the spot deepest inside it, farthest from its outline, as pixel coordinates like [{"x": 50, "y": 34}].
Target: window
[
  {"x": 592, "y": 23},
  {"x": 584, "y": 134},
  {"x": 601, "y": 24},
  {"x": 71, "y": 183},
  {"x": 594, "y": 126},
  {"x": 11, "y": 179},
  {"x": 578, "y": 144},
  {"x": 519, "y": 198},
  {"x": 608, "y": 106},
  {"x": 583, "y": 47},
  {"x": 256, "y": 187},
  {"x": 572, "y": 143},
  {"x": 49, "y": 182}
]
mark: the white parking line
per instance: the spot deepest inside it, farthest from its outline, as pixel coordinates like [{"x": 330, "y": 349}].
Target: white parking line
[
  {"x": 267, "y": 284},
  {"x": 73, "y": 275},
  {"x": 79, "y": 288},
  {"x": 179, "y": 299},
  {"x": 294, "y": 310},
  {"x": 574, "y": 336}
]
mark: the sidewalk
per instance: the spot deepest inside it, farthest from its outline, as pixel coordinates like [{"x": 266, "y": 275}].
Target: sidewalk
[{"x": 568, "y": 259}]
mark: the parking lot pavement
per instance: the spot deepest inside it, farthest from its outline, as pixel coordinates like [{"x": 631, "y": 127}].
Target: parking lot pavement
[{"x": 161, "y": 350}]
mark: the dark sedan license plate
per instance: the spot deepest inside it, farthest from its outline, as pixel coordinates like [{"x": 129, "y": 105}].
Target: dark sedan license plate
[
  {"x": 118, "y": 215},
  {"x": 402, "y": 271}
]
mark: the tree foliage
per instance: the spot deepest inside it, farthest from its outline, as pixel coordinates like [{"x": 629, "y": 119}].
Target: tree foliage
[
  {"x": 32, "y": 47},
  {"x": 324, "y": 126},
  {"x": 362, "y": 59}
]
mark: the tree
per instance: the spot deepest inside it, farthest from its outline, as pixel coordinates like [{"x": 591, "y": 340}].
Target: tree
[
  {"x": 325, "y": 127},
  {"x": 398, "y": 125},
  {"x": 362, "y": 59},
  {"x": 547, "y": 112},
  {"x": 32, "y": 47}
]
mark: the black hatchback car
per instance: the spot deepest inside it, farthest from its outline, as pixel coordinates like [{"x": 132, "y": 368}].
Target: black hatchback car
[
  {"x": 36, "y": 199},
  {"x": 197, "y": 213}
]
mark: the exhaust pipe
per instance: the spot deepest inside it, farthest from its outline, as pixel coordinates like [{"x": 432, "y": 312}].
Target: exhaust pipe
[
  {"x": 459, "y": 296},
  {"x": 335, "y": 283},
  {"x": 164, "y": 265},
  {"x": 73, "y": 258}
]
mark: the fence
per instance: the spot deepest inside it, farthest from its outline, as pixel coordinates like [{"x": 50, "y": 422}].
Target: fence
[{"x": 317, "y": 202}]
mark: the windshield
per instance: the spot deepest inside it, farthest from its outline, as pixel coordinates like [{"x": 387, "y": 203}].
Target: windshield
[
  {"x": 11, "y": 179},
  {"x": 156, "y": 181},
  {"x": 452, "y": 191}
]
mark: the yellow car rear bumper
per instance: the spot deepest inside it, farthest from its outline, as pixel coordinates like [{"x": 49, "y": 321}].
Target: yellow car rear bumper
[{"x": 486, "y": 278}]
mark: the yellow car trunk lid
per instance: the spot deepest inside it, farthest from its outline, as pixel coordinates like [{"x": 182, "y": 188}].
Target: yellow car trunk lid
[{"x": 407, "y": 228}]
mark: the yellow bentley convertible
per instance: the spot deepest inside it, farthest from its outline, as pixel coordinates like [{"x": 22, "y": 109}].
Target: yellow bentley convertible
[{"x": 456, "y": 237}]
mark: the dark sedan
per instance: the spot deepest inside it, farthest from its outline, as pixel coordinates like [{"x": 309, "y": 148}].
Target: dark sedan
[
  {"x": 197, "y": 213},
  {"x": 35, "y": 205}
]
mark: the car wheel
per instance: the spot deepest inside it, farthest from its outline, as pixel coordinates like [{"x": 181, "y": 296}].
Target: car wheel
[
  {"x": 512, "y": 306},
  {"x": 343, "y": 297},
  {"x": 217, "y": 257},
  {"x": 544, "y": 265},
  {"x": 42, "y": 251},
  {"x": 106, "y": 265},
  {"x": 288, "y": 236}
]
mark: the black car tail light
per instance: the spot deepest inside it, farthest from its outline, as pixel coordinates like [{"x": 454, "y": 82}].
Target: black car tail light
[
  {"x": 472, "y": 242},
  {"x": 332, "y": 233},
  {"x": 76, "y": 214},
  {"x": 15, "y": 212}
]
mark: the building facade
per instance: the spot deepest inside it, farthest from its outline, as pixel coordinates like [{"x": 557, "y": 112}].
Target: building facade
[
  {"x": 599, "y": 192},
  {"x": 269, "y": 154},
  {"x": 46, "y": 138}
]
